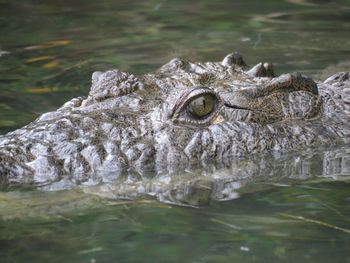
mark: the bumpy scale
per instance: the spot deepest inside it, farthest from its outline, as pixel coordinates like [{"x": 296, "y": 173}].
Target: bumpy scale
[{"x": 185, "y": 113}]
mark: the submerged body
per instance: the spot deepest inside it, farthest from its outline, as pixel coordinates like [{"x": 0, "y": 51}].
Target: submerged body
[{"x": 184, "y": 114}]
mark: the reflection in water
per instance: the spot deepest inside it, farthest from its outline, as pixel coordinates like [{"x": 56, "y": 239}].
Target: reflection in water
[
  {"x": 197, "y": 187},
  {"x": 192, "y": 187},
  {"x": 139, "y": 36},
  {"x": 309, "y": 2},
  {"x": 3, "y": 52},
  {"x": 301, "y": 2}
]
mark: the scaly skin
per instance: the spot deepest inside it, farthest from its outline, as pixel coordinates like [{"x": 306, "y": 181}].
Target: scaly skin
[{"x": 138, "y": 125}]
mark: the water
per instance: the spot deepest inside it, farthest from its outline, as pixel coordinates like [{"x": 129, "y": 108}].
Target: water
[{"x": 268, "y": 209}]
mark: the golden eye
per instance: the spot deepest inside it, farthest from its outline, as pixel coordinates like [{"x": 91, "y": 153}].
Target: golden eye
[{"x": 202, "y": 106}]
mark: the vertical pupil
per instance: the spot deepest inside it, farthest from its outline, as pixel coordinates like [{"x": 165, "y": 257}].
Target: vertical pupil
[{"x": 201, "y": 106}]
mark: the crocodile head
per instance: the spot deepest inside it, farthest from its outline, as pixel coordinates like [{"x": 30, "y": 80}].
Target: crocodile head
[{"x": 182, "y": 115}]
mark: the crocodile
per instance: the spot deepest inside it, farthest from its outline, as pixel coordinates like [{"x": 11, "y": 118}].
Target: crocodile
[{"x": 185, "y": 114}]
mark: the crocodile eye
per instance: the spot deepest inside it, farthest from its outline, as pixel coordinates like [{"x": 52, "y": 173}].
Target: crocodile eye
[
  {"x": 201, "y": 106},
  {"x": 196, "y": 106}
]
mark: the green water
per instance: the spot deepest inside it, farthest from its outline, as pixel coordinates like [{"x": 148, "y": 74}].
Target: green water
[{"x": 301, "y": 213}]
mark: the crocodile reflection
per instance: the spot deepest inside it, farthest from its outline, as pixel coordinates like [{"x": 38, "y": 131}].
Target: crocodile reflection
[{"x": 200, "y": 187}]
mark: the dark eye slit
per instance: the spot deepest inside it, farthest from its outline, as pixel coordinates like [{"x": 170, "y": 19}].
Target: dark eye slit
[{"x": 244, "y": 108}]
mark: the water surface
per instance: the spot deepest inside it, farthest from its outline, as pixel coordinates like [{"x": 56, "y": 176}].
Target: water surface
[{"x": 293, "y": 208}]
